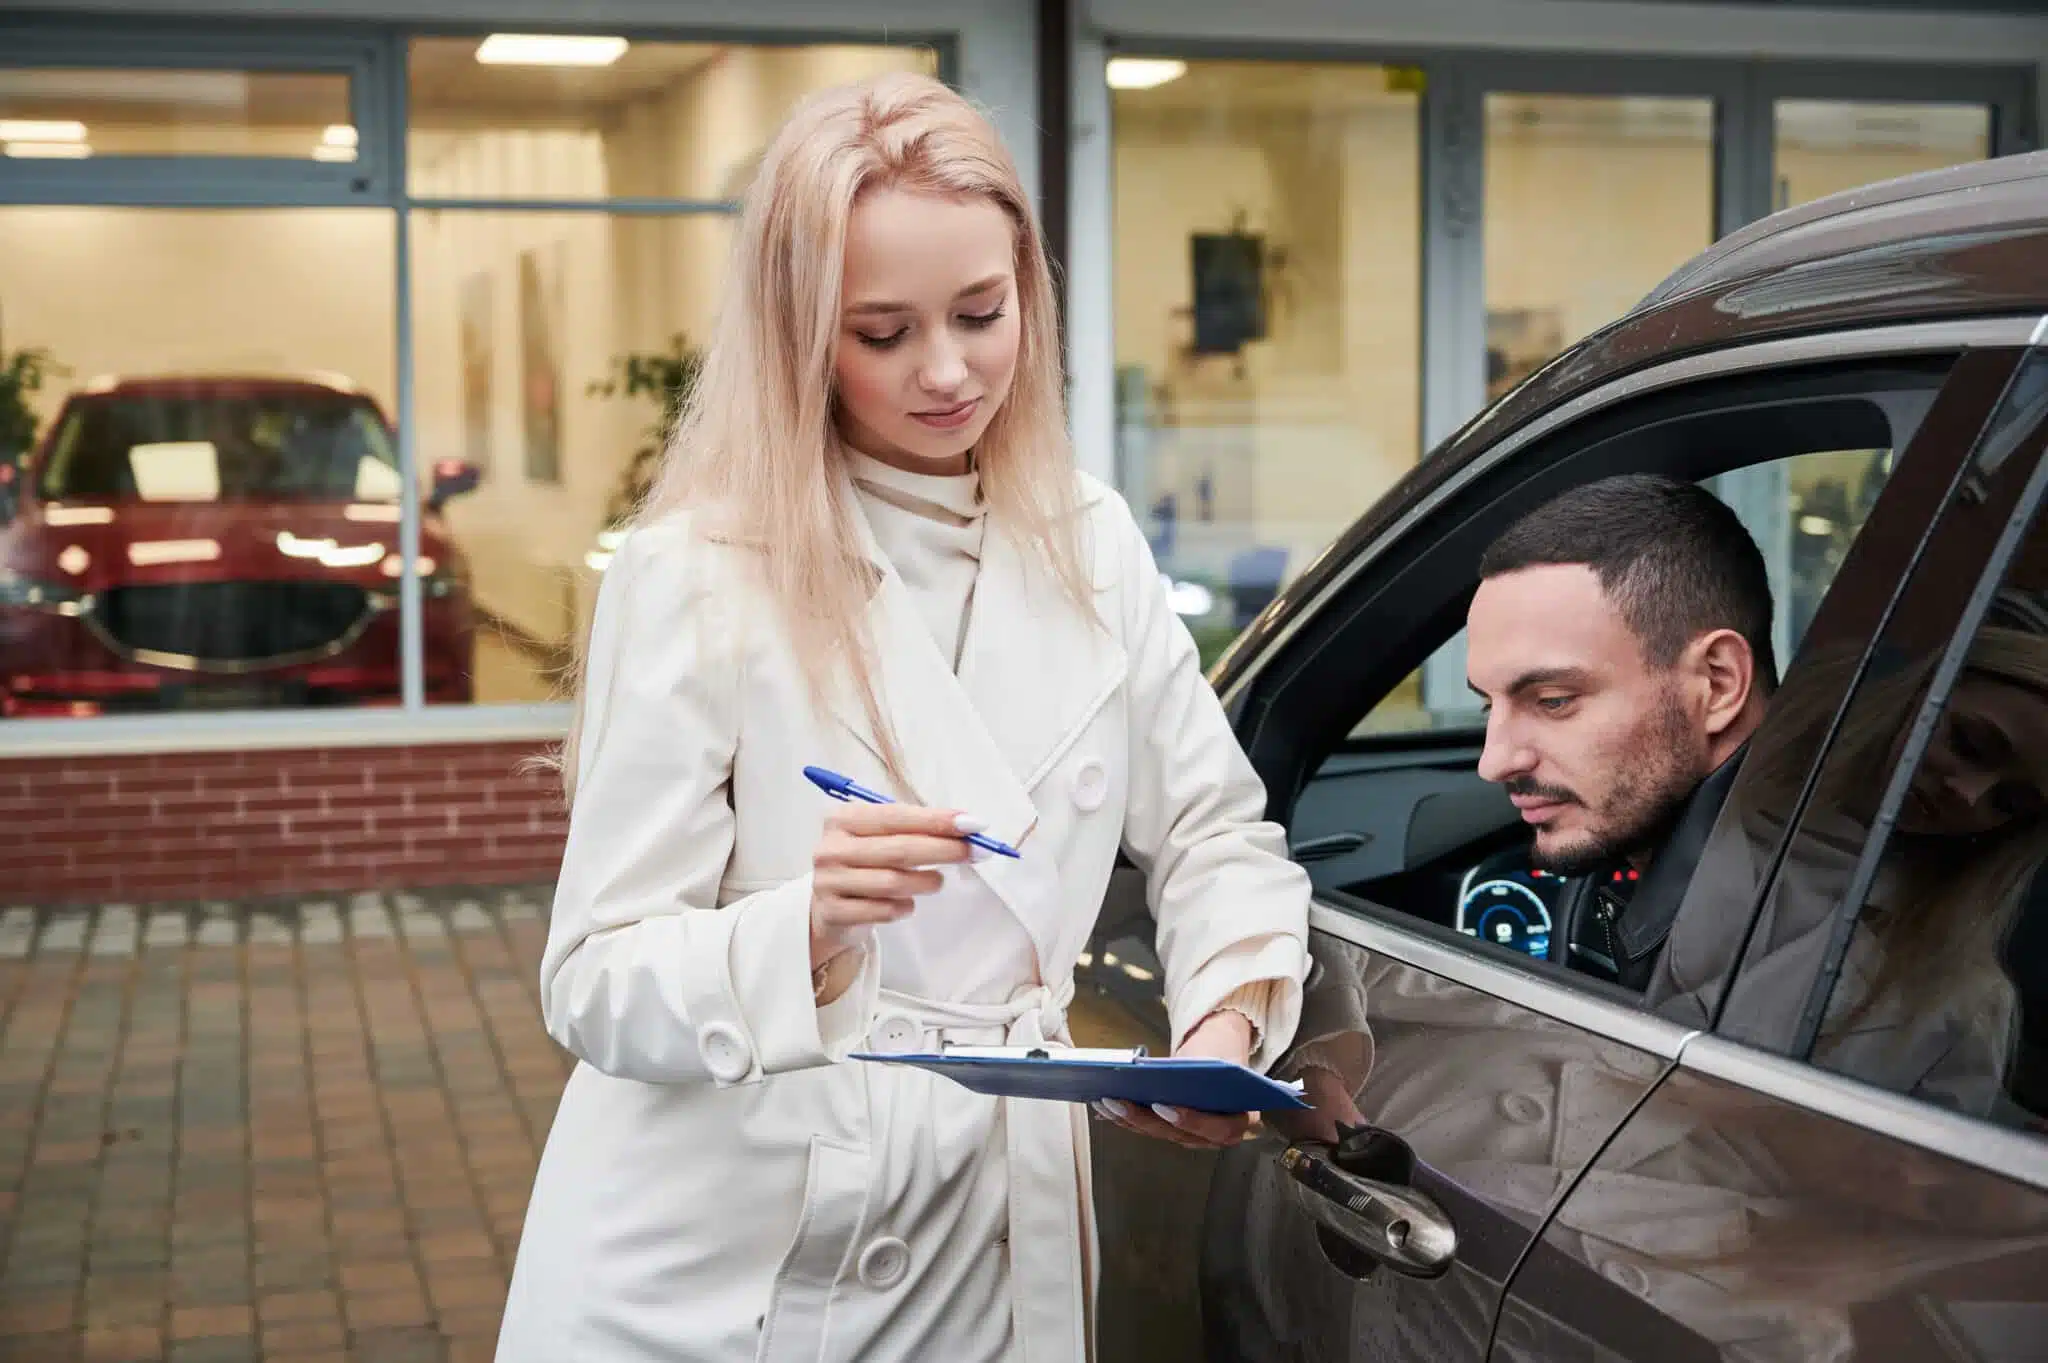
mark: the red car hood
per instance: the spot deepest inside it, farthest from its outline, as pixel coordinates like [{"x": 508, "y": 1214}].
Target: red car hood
[{"x": 89, "y": 548}]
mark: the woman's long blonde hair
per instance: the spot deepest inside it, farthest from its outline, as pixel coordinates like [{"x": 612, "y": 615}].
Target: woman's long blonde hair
[{"x": 754, "y": 444}]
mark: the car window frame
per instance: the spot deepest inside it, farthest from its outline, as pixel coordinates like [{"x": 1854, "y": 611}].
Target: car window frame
[{"x": 1250, "y": 696}]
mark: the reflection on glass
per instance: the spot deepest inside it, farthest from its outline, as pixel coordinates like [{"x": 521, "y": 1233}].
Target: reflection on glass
[
  {"x": 1933, "y": 995},
  {"x": 72, "y": 113},
  {"x": 1824, "y": 146},
  {"x": 1591, "y": 201},
  {"x": 1267, "y": 314},
  {"x": 206, "y": 513},
  {"x": 597, "y": 117},
  {"x": 552, "y": 350}
]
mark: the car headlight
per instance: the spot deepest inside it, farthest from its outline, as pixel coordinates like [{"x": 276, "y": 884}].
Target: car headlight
[{"x": 28, "y": 593}]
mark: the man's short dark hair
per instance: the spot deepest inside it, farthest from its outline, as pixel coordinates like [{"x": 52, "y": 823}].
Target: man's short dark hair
[{"x": 1671, "y": 556}]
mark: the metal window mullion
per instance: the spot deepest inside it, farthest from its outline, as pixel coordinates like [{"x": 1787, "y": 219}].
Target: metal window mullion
[
  {"x": 661, "y": 208},
  {"x": 412, "y": 667},
  {"x": 1453, "y": 293}
]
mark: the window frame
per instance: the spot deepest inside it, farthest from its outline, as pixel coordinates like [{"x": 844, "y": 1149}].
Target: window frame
[
  {"x": 361, "y": 56},
  {"x": 1256, "y": 699}
]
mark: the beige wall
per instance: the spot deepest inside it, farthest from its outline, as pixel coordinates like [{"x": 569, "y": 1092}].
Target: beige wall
[{"x": 145, "y": 291}]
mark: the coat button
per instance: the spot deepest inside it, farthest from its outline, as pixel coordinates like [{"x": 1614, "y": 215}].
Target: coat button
[
  {"x": 1525, "y": 1109},
  {"x": 725, "y": 1051},
  {"x": 884, "y": 1262},
  {"x": 1091, "y": 783},
  {"x": 896, "y": 1034}
]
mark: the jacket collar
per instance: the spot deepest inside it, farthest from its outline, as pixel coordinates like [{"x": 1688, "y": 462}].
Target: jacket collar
[{"x": 1032, "y": 674}]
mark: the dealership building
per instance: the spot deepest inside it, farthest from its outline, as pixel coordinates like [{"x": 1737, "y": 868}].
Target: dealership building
[{"x": 334, "y": 334}]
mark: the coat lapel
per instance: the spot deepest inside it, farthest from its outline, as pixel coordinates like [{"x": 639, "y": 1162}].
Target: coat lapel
[{"x": 1032, "y": 675}]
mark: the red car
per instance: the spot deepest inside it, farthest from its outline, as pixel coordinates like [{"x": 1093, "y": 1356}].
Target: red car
[{"x": 189, "y": 543}]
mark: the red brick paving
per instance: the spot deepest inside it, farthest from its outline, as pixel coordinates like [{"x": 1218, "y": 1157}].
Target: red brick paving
[{"x": 297, "y": 1132}]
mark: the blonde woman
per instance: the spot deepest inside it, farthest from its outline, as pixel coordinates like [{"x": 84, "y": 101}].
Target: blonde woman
[{"x": 868, "y": 550}]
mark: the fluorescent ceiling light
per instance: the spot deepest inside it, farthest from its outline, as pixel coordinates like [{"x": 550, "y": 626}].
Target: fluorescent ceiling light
[
  {"x": 49, "y": 151},
  {"x": 325, "y": 152},
  {"x": 41, "y": 130},
  {"x": 1143, "y": 73},
  {"x": 549, "y": 49},
  {"x": 338, "y": 135}
]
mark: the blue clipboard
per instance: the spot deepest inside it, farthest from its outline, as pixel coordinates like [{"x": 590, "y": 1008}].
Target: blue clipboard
[{"x": 1079, "y": 1075}]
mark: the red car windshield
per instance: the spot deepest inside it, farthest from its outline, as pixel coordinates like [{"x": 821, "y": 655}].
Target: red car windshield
[{"x": 214, "y": 447}]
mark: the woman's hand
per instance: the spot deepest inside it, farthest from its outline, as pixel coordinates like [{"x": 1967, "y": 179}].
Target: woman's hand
[
  {"x": 1223, "y": 1035},
  {"x": 871, "y": 864}
]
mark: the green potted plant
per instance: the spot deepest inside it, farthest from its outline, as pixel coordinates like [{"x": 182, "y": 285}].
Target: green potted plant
[
  {"x": 22, "y": 375},
  {"x": 667, "y": 377}
]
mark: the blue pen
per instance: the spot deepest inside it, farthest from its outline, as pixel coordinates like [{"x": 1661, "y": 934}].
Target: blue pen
[{"x": 844, "y": 788}]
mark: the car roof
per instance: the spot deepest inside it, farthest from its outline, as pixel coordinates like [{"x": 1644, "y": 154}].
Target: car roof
[
  {"x": 1967, "y": 241},
  {"x": 228, "y": 385}
]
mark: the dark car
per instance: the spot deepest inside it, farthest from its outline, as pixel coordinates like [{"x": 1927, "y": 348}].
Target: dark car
[
  {"x": 1833, "y": 1144},
  {"x": 219, "y": 542}
]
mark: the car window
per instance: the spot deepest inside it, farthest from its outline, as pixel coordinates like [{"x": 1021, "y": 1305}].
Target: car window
[
  {"x": 1804, "y": 511},
  {"x": 1401, "y": 826},
  {"x": 220, "y": 444},
  {"x": 1905, "y": 938}
]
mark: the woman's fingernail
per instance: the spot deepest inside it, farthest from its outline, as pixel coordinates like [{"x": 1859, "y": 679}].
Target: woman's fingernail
[
  {"x": 967, "y": 823},
  {"x": 1116, "y": 1107},
  {"x": 1171, "y": 1114},
  {"x": 976, "y": 852}
]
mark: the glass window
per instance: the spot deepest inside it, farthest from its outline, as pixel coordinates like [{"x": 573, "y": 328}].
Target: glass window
[
  {"x": 1941, "y": 990},
  {"x": 538, "y": 116},
  {"x": 1591, "y": 201},
  {"x": 1410, "y": 828},
  {"x": 200, "y": 483},
  {"x": 1824, "y": 146},
  {"x": 552, "y": 349},
  {"x": 1267, "y": 267},
  {"x": 72, "y": 113}
]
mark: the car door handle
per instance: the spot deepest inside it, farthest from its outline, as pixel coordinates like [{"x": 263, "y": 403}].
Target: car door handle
[
  {"x": 1391, "y": 1224},
  {"x": 1333, "y": 845}
]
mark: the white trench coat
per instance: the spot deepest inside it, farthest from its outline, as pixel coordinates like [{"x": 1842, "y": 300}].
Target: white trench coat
[{"x": 721, "y": 1182}]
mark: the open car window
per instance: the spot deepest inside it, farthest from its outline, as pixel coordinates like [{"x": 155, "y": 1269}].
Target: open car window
[{"x": 1393, "y": 821}]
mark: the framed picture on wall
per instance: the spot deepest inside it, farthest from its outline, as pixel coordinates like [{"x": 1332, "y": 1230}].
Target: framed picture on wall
[
  {"x": 478, "y": 356},
  {"x": 540, "y": 360},
  {"x": 1229, "y": 288}
]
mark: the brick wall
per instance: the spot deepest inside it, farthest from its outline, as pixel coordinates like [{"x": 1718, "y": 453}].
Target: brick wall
[{"x": 232, "y": 825}]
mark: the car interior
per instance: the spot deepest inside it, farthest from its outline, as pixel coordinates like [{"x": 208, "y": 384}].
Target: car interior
[{"x": 1402, "y": 821}]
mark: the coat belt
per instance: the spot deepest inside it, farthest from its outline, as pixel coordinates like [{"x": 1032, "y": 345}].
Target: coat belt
[{"x": 1049, "y": 1299}]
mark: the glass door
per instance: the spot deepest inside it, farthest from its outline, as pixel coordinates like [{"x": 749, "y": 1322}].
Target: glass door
[
  {"x": 1267, "y": 266},
  {"x": 1823, "y": 146}
]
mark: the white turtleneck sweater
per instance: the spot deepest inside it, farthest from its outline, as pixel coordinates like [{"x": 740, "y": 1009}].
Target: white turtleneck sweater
[{"x": 929, "y": 526}]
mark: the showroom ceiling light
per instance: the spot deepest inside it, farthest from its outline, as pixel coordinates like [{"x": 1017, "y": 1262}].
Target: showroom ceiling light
[
  {"x": 338, "y": 135},
  {"x": 48, "y": 151},
  {"x": 549, "y": 49},
  {"x": 1143, "y": 73},
  {"x": 41, "y": 130}
]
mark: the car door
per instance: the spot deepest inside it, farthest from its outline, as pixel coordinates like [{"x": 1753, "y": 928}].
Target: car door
[
  {"x": 1461, "y": 1085},
  {"x": 1854, "y": 1164}
]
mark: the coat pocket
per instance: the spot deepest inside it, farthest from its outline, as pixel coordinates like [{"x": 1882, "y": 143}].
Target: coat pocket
[{"x": 835, "y": 1190}]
